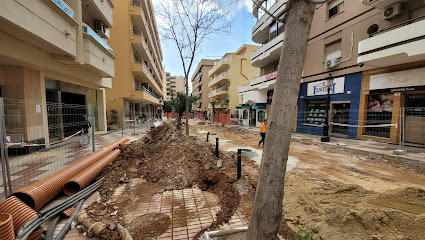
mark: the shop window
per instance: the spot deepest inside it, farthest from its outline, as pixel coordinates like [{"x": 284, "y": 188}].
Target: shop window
[
  {"x": 379, "y": 111},
  {"x": 261, "y": 115},
  {"x": 315, "y": 111},
  {"x": 335, "y": 7},
  {"x": 245, "y": 114},
  {"x": 333, "y": 50}
]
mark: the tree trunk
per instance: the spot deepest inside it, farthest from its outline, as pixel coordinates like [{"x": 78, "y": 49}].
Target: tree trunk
[
  {"x": 179, "y": 121},
  {"x": 268, "y": 203},
  {"x": 187, "y": 105}
]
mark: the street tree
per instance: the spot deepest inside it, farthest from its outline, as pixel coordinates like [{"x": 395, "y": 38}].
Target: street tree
[
  {"x": 213, "y": 103},
  {"x": 187, "y": 23},
  {"x": 267, "y": 210},
  {"x": 179, "y": 106}
]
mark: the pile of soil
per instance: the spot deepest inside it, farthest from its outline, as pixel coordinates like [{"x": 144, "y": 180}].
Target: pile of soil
[{"x": 167, "y": 160}]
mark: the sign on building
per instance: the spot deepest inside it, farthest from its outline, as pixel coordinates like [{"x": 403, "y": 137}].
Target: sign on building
[{"x": 320, "y": 87}]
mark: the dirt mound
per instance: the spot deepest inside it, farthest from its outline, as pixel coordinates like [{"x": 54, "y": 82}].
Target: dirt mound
[
  {"x": 150, "y": 225},
  {"x": 168, "y": 160}
]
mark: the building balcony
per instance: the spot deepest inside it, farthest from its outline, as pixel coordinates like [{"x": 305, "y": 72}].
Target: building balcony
[
  {"x": 402, "y": 43},
  {"x": 380, "y": 4},
  {"x": 100, "y": 10},
  {"x": 220, "y": 65},
  {"x": 268, "y": 53},
  {"x": 140, "y": 69},
  {"x": 264, "y": 82},
  {"x": 45, "y": 24},
  {"x": 219, "y": 105},
  {"x": 144, "y": 95},
  {"x": 260, "y": 31},
  {"x": 219, "y": 92},
  {"x": 221, "y": 77},
  {"x": 98, "y": 55}
]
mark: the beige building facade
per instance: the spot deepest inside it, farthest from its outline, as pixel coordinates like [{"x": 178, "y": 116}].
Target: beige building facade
[
  {"x": 370, "y": 52},
  {"x": 227, "y": 74},
  {"x": 176, "y": 83},
  {"x": 52, "y": 54},
  {"x": 138, "y": 87},
  {"x": 200, "y": 87}
]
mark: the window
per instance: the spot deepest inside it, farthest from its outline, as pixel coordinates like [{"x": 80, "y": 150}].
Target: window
[
  {"x": 245, "y": 114},
  {"x": 335, "y": 7},
  {"x": 273, "y": 31},
  {"x": 280, "y": 25},
  {"x": 315, "y": 111},
  {"x": 333, "y": 50},
  {"x": 261, "y": 115},
  {"x": 379, "y": 111}
]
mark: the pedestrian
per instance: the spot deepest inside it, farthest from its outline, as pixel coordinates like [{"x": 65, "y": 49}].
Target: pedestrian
[
  {"x": 85, "y": 131},
  {"x": 263, "y": 130}
]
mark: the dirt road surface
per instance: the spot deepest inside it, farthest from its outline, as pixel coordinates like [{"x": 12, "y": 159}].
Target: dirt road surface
[{"x": 341, "y": 196}]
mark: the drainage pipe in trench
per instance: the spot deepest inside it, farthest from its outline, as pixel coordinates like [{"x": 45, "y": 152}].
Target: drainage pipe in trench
[{"x": 84, "y": 178}]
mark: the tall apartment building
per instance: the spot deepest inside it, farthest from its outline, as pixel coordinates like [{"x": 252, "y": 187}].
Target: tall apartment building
[
  {"x": 200, "y": 87},
  {"x": 176, "y": 83},
  {"x": 375, "y": 55},
  {"x": 227, "y": 74},
  {"x": 53, "y": 53},
  {"x": 138, "y": 84}
]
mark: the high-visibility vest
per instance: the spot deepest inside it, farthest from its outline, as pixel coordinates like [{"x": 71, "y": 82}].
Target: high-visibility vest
[{"x": 263, "y": 127}]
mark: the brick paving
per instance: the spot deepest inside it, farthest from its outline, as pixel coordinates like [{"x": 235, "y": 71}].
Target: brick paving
[{"x": 190, "y": 211}]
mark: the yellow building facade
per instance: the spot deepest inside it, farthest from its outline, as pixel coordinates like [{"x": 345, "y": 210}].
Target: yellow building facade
[
  {"x": 227, "y": 74},
  {"x": 138, "y": 85},
  {"x": 54, "y": 54}
]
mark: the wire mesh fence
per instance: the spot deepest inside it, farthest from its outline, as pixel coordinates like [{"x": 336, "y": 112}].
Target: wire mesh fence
[{"x": 39, "y": 140}]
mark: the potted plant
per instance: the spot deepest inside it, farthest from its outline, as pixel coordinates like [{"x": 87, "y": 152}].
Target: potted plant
[{"x": 113, "y": 120}]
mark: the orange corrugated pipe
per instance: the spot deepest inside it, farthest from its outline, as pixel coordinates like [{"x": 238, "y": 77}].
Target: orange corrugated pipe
[
  {"x": 6, "y": 227},
  {"x": 44, "y": 190},
  {"x": 84, "y": 178},
  {"x": 21, "y": 214}
]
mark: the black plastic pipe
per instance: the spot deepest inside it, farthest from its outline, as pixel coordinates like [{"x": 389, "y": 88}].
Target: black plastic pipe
[
  {"x": 216, "y": 148},
  {"x": 51, "y": 229},
  {"x": 67, "y": 226},
  {"x": 208, "y": 136},
  {"x": 239, "y": 163}
]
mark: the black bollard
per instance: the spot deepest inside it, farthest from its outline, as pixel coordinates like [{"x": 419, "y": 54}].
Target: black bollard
[
  {"x": 208, "y": 136},
  {"x": 216, "y": 147},
  {"x": 239, "y": 163}
]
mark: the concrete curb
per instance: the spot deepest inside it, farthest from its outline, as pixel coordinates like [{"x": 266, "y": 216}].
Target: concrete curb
[{"x": 361, "y": 152}]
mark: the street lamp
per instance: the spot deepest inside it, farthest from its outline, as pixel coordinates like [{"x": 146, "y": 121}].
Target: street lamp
[{"x": 329, "y": 82}]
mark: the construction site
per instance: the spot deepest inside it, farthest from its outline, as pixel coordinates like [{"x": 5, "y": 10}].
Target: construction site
[{"x": 168, "y": 185}]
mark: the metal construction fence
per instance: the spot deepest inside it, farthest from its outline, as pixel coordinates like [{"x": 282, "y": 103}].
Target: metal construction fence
[
  {"x": 404, "y": 126},
  {"x": 39, "y": 139},
  {"x": 136, "y": 122}
]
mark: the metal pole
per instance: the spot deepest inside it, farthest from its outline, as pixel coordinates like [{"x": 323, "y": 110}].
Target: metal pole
[
  {"x": 122, "y": 122},
  {"x": 92, "y": 120},
  {"x": 239, "y": 163},
  {"x": 399, "y": 127},
  {"x": 404, "y": 125},
  {"x": 216, "y": 148},
  {"x": 3, "y": 149},
  {"x": 325, "y": 137},
  {"x": 208, "y": 136},
  {"x": 134, "y": 119}
]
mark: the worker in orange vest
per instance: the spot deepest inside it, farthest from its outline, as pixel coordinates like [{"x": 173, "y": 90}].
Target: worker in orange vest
[{"x": 263, "y": 130}]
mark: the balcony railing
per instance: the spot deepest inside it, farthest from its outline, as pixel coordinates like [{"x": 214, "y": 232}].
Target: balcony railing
[
  {"x": 136, "y": 60},
  {"x": 135, "y": 32},
  {"x": 136, "y": 3},
  {"x": 219, "y": 63},
  {"x": 218, "y": 90},
  {"x": 64, "y": 7},
  {"x": 142, "y": 88},
  {"x": 398, "y": 25},
  {"x": 217, "y": 78},
  {"x": 89, "y": 31}
]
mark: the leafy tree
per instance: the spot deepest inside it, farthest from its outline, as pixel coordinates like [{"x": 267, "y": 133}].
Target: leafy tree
[
  {"x": 168, "y": 106},
  {"x": 179, "y": 105},
  {"x": 213, "y": 103}
]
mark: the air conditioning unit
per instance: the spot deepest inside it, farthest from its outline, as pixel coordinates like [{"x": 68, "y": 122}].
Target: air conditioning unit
[
  {"x": 100, "y": 28},
  {"x": 333, "y": 62},
  {"x": 392, "y": 11}
]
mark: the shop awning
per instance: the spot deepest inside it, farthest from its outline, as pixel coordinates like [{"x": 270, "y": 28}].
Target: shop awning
[
  {"x": 260, "y": 106},
  {"x": 241, "y": 106}
]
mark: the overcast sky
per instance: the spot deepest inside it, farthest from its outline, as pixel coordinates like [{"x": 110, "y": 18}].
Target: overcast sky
[{"x": 215, "y": 46}]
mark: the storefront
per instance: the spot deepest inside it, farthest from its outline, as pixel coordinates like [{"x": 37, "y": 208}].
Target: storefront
[
  {"x": 344, "y": 105},
  {"x": 395, "y": 101}
]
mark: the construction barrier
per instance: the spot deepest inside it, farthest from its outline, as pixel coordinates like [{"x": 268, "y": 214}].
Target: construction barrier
[
  {"x": 222, "y": 118},
  {"x": 200, "y": 116}
]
